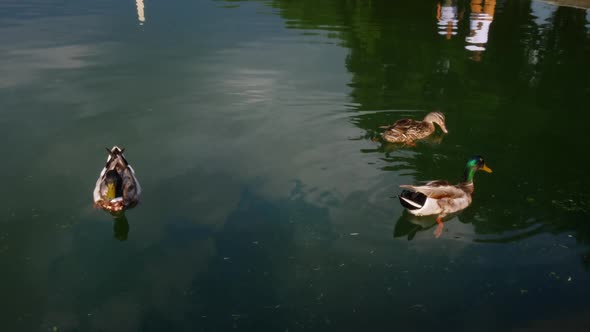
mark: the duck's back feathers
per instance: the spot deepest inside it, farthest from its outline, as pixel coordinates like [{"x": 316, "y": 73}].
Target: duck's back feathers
[
  {"x": 438, "y": 183},
  {"x": 131, "y": 187},
  {"x": 404, "y": 123},
  {"x": 407, "y": 130}
]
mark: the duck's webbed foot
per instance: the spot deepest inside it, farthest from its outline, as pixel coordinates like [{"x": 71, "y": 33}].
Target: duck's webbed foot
[{"x": 439, "y": 226}]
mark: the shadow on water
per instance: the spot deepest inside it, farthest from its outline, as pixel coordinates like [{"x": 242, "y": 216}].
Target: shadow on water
[
  {"x": 408, "y": 225},
  {"x": 120, "y": 227},
  {"x": 240, "y": 280},
  {"x": 243, "y": 285}
]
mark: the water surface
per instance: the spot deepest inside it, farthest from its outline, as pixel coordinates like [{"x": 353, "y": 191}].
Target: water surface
[{"x": 267, "y": 204}]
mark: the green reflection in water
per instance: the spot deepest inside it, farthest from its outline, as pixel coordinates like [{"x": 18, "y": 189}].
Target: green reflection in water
[{"x": 224, "y": 108}]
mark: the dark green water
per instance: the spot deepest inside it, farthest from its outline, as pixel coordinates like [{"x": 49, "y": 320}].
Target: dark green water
[{"x": 266, "y": 205}]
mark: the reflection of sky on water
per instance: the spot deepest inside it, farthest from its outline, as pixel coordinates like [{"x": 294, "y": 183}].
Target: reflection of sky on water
[
  {"x": 216, "y": 130},
  {"x": 25, "y": 65},
  {"x": 542, "y": 12},
  {"x": 265, "y": 100},
  {"x": 27, "y": 51}
]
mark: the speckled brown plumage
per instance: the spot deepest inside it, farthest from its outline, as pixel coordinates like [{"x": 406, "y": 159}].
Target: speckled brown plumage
[{"x": 408, "y": 130}]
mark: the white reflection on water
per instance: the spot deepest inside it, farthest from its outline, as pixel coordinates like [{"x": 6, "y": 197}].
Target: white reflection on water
[
  {"x": 21, "y": 66},
  {"x": 253, "y": 85},
  {"x": 40, "y": 46},
  {"x": 140, "y": 11},
  {"x": 447, "y": 16},
  {"x": 480, "y": 19}
]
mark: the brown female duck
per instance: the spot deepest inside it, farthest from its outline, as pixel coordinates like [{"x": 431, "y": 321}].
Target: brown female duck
[{"x": 408, "y": 130}]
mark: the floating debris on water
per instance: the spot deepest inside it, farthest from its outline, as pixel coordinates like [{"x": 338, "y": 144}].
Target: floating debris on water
[
  {"x": 417, "y": 307},
  {"x": 572, "y": 205}
]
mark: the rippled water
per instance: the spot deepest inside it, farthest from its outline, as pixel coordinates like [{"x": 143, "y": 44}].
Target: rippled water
[{"x": 267, "y": 204}]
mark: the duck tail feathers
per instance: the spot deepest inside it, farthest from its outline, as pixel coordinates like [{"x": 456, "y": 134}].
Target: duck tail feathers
[
  {"x": 412, "y": 200},
  {"x": 116, "y": 154}
]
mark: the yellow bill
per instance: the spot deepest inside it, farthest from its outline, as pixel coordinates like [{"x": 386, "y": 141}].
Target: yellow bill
[{"x": 485, "y": 168}]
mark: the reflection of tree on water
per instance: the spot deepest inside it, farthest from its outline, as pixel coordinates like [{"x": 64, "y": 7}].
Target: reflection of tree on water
[{"x": 390, "y": 71}]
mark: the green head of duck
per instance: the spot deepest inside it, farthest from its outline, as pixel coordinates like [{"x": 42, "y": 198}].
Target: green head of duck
[{"x": 474, "y": 164}]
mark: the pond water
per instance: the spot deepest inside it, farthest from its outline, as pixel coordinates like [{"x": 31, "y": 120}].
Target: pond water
[{"x": 267, "y": 203}]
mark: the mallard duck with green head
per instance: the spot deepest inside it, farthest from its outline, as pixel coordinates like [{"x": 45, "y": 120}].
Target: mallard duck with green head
[
  {"x": 440, "y": 197},
  {"x": 117, "y": 187},
  {"x": 408, "y": 130}
]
